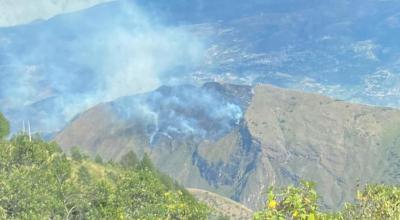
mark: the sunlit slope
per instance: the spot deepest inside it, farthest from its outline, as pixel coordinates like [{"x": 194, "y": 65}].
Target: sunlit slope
[
  {"x": 334, "y": 143},
  {"x": 226, "y": 207},
  {"x": 281, "y": 136}
]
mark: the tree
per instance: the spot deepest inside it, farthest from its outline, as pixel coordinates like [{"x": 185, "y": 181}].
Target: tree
[
  {"x": 146, "y": 163},
  {"x": 77, "y": 154},
  {"x": 98, "y": 159},
  {"x": 129, "y": 160},
  {"x": 84, "y": 175},
  {"x": 4, "y": 126}
]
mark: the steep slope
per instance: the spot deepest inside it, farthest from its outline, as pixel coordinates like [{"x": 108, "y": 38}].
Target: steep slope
[
  {"x": 331, "y": 142},
  {"x": 238, "y": 140},
  {"x": 224, "y": 206}
]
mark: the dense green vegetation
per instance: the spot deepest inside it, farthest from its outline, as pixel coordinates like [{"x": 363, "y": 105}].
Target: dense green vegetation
[
  {"x": 373, "y": 202},
  {"x": 38, "y": 181},
  {"x": 4, "y": 126}
]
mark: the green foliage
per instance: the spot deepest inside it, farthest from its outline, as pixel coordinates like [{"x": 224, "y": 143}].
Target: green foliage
[
  {"x": 146, "y": 163},
  {"x": 98, "y": 159},
  {"x": 4, "y": 127},
  {"x": 37, "y": 181},
  {"x": 374, "y": 202},
  {"x": 77, "y": 154},
  {"x": 130, "y": 160},
  {"x": 2, "y": 213},
  {"x": 291, "y": 203},
  {"x": 84, "y": 175}
]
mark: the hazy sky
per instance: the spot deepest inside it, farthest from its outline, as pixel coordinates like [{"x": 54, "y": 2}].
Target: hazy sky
[
  {"x": 76, "y": 60},
  {"x": 16, "y": 12}
]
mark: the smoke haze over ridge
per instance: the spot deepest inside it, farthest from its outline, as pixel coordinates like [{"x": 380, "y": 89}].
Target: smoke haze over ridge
[
  {"x": 339, "y": 48},
  {"x": 74, "y": 61}
]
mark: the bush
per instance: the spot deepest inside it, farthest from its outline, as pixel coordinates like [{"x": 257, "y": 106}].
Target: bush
[
  {"x": 374, "y": 202},
  {"x": 291, "y": 203}
]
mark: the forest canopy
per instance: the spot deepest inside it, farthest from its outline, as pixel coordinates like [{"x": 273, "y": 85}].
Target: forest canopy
[{"x": 39, "y": 181}]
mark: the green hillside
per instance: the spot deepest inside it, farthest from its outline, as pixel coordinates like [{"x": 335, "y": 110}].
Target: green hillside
[{"x": 38, "y": 181}]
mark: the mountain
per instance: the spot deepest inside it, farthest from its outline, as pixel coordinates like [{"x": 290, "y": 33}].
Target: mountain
[
  {"x": 18, "y": 12},
  {"x": 346, "y": 49},
  {"x": 238, "y": 140}
]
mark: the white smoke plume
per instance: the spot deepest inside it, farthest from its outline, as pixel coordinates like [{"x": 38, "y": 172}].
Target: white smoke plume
[{"x": 67, "y": 64}]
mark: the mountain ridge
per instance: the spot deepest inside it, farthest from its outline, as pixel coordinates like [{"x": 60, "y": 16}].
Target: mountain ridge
[
  {"x": 278, "y": 137},
  {"x": 19, "y": 12}
]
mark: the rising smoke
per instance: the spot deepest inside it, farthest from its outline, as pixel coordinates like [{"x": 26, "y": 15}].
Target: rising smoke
[
  {"x": 52, "y": 70},
  {"x": 181, "y": 112}
]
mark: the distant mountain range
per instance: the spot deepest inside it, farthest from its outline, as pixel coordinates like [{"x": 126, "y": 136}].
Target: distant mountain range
[
  {"x": 19, "y": 12},
  {"x": 340, "y": 48},
  {"x": 238, "y": 140}
]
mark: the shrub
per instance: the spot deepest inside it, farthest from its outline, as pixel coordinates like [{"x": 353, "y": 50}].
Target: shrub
[
  {"x": 373, "y": 202},
  {"x": 291, "y": 203}
]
